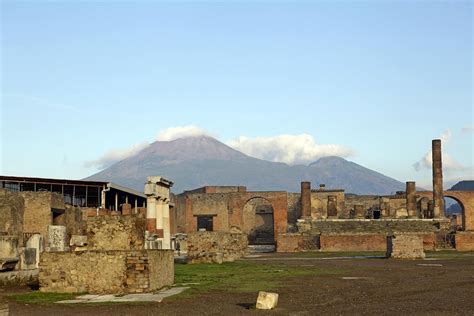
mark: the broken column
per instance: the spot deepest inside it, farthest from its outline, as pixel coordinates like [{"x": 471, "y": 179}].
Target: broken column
[
  {"x": 411, "y": 198},
  {"x": 157, "y": 190},
  {"x": 438, "y": 207},
  {"x": 305, "y": 199}
]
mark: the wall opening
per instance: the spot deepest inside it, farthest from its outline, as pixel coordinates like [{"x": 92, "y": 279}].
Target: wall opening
[
  {"x": 454, "y": 210},
  {"x": 259, "y": 222}
]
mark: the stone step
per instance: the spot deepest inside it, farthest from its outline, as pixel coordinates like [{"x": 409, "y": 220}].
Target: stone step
[{"x": 261, "y": 248}]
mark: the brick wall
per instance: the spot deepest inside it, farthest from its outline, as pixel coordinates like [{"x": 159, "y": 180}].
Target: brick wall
[
  {"x": 465, "y": 241},
  {"x": 112, "y": 272},
  {"x": 360, "y": 242},
  {"x": 297, "y": 243},
  {"x": 12, "y": 207}
]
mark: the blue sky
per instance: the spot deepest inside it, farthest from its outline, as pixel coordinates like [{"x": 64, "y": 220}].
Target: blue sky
[{"x": 379, "y": 79}]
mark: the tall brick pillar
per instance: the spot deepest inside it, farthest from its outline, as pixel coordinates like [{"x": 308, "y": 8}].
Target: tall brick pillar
[
  {"x": 305, "y": 199},
  {"x": 411, "y": 198},
  {"x": 438, "y": 199}
]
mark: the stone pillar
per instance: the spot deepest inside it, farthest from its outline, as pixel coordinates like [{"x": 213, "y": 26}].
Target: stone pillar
[
  {"x": 166, "y": 224},
  {"x": 411, "y": 198},
  {"x": 438, "y": 206},
  {"x": 151, "y": 214},
  {"x": 306, "y": 199}
]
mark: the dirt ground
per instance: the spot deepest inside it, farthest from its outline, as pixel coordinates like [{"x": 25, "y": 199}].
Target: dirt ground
[{"x": 443, "y": 286}]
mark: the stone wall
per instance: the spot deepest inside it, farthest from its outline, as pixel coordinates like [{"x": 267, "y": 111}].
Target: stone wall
[
  {"x": 294, "y": 208},
  {"x": 115, "y": 232},
  {"x": 385, "y": 226},
  {"x": 464, "y": 241},
  {"x": 12, "y": 207},
  {"x": 72, "y": 219},
  {"x": 354, "y": 242},
  {"x": 111, "y": 272},
  {"x": 294, "y": 242},
  {"x": 215, "y": 247},
  {"x": 9, "y": 247},
  {"x": 405, "y": 246},
  {"x": 38, "y": 210}
]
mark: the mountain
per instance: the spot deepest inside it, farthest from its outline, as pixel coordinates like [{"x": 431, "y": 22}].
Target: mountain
[
  {"x": 464, "y": 185},
  {"x": 193, "y": 162}
]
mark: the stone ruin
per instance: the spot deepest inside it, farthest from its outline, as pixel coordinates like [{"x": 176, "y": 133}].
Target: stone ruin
[{"x": 405, "y": 246}]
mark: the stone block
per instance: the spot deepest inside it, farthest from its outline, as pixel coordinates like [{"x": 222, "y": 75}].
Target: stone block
[
  {"x": 57, "y": 238},
  {"x": 126, "y": 209},
  {"x": 28, "y": 259},
  {"x": 78, "y": 241},
  {"x": 266, "y": 300},
  {"x": 405, "y": 246}
]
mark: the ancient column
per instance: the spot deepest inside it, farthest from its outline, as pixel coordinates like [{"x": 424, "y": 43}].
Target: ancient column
[
  {"x": 438, "y": 207},
  {"x": 305, "y": 199},
  {"x": 166, "y": 224},
  {"x": 150, "y": 214},
  {"x": 411, "y": 198}
]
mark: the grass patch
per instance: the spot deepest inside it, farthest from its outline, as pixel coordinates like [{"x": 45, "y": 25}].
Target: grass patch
[
  {"x": 449, "y": 254},
  {"x": 41, "y": 297},
  {"x": 318, "y": 254},
  {"x": 240, "y": 276}
]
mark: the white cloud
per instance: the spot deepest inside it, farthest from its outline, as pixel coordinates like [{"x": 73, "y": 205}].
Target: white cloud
[
  {"x": 290, "y": 149},
  {"x": 173, "y": 133},
  {"x": 448, "y": 162},
  {"x": 468, "y": 129},
  {"x": 115, "y": 155}
]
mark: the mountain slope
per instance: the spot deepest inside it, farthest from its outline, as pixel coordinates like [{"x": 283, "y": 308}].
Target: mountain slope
[{"x": 198, "y": 161}]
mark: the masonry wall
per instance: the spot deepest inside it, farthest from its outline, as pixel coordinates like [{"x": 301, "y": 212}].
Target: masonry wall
[
  {"x": 465, "y": 241},
  {"x": 38, "y": 206},
  {"x": 72, "y": 219},
  {"x": 294, "y": 208},
  {"x": 111, "y": 272},
  {"x": 115, "y": 232},
  {"x": 12, "y": 207},
  {"x": 215, "y": 247},
  {"x": 319, "y": 203}
]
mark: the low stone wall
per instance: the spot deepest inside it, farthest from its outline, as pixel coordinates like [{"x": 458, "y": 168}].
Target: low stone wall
[
  {"x": 216, "y": 247},
  {"x": 405, "y": 246},
  {"x": 380, "y": 226},
  {"x": 342, "y": 242},
  {"x": 113, "y": 272},
  {"x": 297, "y": 243},
  {"x": 464, "y": 241},
  {"x": 353, "y": 242}
]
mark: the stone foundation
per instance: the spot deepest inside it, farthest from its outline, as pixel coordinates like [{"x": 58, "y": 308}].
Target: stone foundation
[
  {"x": 405, "y": 246},
  {"x": 216, "y": 247},
  {"x": 297, "y": 243},
  {"x": 353, "y": 242},
  {"x": 106, "y": 272}
]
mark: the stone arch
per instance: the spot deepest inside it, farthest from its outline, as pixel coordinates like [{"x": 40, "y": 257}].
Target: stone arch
[
  {"x": 258, "y": 220},
  {"x": 463, "y": 210}
]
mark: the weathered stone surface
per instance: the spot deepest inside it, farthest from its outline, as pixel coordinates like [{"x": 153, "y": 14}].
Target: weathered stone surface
[
  {"x": 266, "y": 300},
  {"x": 216, "y": 247},
  {"x": 115, "y": 232},
  {"x": 57, "y": 237},
  {"x": 78, "y": 241},
  {"x": 405, "y": 246},
  {"x": 112, "y": 272},
  {"x": 9, "y": 247},
  {"x": 36, "y": 242}
]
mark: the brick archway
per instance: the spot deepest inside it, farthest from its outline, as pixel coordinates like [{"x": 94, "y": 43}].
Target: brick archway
[{"x": 464, "y": 198}]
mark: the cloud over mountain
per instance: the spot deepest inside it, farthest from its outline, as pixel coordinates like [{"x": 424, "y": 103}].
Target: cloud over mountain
[{"x": 290, "y": 149}]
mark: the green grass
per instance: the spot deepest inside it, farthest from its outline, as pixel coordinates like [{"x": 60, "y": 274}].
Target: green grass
[
  {"x": 449, "y": 254},
  {"x": 38, "y": 297},
  {"x": 318, "y": 254},
  {"x": 240, "y": 276}
]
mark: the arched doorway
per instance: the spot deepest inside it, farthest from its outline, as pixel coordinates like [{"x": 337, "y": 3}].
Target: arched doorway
[
  {"x": 454, "y": 210},
  {"x": 258, "y": 220}
]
